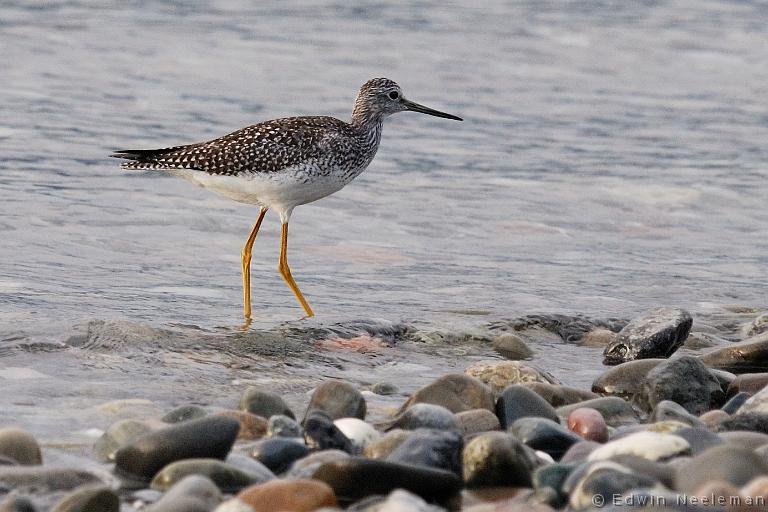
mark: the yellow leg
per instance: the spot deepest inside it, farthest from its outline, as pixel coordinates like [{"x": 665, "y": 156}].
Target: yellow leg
[
  {"x": 246, "y": 265},
  {"x": 285, "y": 272}
]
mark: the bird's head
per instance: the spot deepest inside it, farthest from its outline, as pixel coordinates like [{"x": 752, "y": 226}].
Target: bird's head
[{"x": 381, "y": 97}]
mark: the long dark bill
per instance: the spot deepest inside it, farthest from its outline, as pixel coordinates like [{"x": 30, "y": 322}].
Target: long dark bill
[{"x": 415, "y": 107}]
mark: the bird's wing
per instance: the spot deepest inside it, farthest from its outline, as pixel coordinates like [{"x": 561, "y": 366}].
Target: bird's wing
[{"x": 263, "y": 148}]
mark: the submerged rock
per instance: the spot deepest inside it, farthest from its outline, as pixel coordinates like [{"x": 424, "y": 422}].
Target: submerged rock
[
  {"x": 264, "y": 403},
  {"x": 20, "y": 446},
  {"x": 209, "y": 437},
  {"x": 337, "y": 399},
  {"x": 748, "y": 356},
  {"x": 657, "y": 332}
]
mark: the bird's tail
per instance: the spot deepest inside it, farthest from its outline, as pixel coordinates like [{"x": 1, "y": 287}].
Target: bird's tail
[{"x": 144, "y": 158}]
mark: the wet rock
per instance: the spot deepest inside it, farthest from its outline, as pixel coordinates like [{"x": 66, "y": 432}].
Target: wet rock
[
  {"x": 544, "y": 435},
  {"x": 558, "y": 395},
  {"x": 749, "y": 383},
  {"x": 455, "y": 392},
  {"x": 194, "y": 493},
  {"x": 757, "y": 404},
  {"x": 598, "y": 337},
  {"x": 684, "y": 380},
  {"x": 184, "y": 413},
  {"x": 589, "y": 424},
  {"x": 605, "y": 480},
  {"x": 727, "y": 463},
  {"x": 501, "y": 374},
  {"x": 553, "y": 476},
  {"x": 512, "y": 347},
  {"x": 497, "y": 458},
  {"x": 40, "y": 479},
  {"x": 288, "y": 495},
  {"x": 381, "y": 448},
  {"x": 649, "y": 445},
  {"x": 322, "y": 434},
  {"x": 264, "y": 403},
  {"x": 758, "y": 326},
  {"x": 657, "y": 332},
  {"x": 20, "y": 446},
  {"x": 209, "y": 437},
  {"x": 252, "y": 427},
  {"x": 227, "y": 477},
  {"x": 384, "y": 389},
  {"x": 748, "y": 356},
  {"x": 14, "y": 503},
  {"x": 430, "y": 448},
  {"x": 356, "y": 478},
  {"x": 750, "y": 421},
  {"x": 746, "y": 439},
  {"x": 579, "y": 452},
  {"x": 306, "y": 466},
  {"x": 89, "y": 499},
  {"x": 735, "y": 402},
  {"x": 626, "y": 379},
  {"x": 477, "y": 420},
  {"x": 278, "y": 453},
  {"x": 425, "y": 416},
  {"x": 281, "y": 425},
  {"x": 615, "y": 411},
  {"x": 120, "y": 434},
  {"x": 360, "y": 433},
  {"x": 337, "y": 399},
  {"x": 400, "y": 501},
  {"x": 518, "y": 402},
  {"x": 668, "y": 410},
  {"x": 699, "y": 439}
]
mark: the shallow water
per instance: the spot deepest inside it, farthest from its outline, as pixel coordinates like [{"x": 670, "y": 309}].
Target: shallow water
[{"x": 612, "y": 158}]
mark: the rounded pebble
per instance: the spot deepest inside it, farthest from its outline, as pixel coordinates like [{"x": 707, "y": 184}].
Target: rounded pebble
[
  {"x": 264, "y": 403},
  {"x": 589, "y": 424},
  {"x": 337, "y": 399},
  {"x": 20, "y": 446}
]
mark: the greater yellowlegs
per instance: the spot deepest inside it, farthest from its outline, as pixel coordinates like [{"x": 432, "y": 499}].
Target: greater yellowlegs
[{"x": 283, "y": 163}]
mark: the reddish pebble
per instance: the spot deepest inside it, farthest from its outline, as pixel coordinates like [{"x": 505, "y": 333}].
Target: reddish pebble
[
  {"x": 757, "y": 488},
  {"x": 589, "y": 424},
  {"x": 288, "y": 496},
  {"x": 251, "y": 426},
  {"x": 713, "y": 417}
]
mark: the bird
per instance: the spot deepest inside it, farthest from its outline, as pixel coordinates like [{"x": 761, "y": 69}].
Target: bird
[{"x": 284, "y": 163}]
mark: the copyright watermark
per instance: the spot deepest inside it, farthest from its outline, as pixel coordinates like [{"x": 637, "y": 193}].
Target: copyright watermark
[{"x": 642, "y": 500}]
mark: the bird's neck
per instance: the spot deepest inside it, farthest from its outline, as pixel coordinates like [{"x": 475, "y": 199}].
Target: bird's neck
[{"x": 367, "y": 126}]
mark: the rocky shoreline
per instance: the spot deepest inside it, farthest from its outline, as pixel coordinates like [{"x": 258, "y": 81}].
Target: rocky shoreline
[{"x": 657, "y": 430}]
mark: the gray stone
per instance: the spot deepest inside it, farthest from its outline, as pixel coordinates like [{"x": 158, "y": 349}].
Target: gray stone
[
  {"x": 430, "y": 448},
  {"x": 735, "y": 402},
  {"x": 518, "y": 402},
  {"x": 423, "y": 415},
  {"x": 89, "y": 499},
  {"x": 668, "y": 410},
  {"x": 699, "y": 439},
  {"x": 757, "y": 404},
  {"x": 501, "y": 374},
  {"x": 337, "y": 399},
  {"x": 228, "y": 478},
  {"x": 544, "y": 435},
  {"x": 118, "y": 435},
  {"x": 512, "y": 347},
  {"x": 281, "y": 425},
  {"x": 40, "y": 479},
  {"x": 605, "y": 479},
  {"x": 264, "y": 403},
  {"x": 184, "y": 413},
  {"x": 384, "y": 388},
  {"x": 278, "y": 453},
  {"x": 625, "y": 380},
  {"x": 615, "y": 411},
  {"x": 356, "y": 478},
  {"x": 209, "y": 437},
  {"x": 455, "y": 392},
  {"x": 306, "y": 466},
  {"x": 746, "y": 439},
  {"x": 727, "y": 463},
  {"x": 381, "y": 448},
  {"x": 748, "y": 356},
  {"x": 477, "y": 420},
  {"x": 498, "y": 459},
  {"x": 194, "y": 493},
  {"x": 13, "y": 503},
  {"x": 321, "y": 433},
  {"x": 558, "y": 395},
  {"x": 20, "y": 446},
  {"x": 657, "y": 332},
  {"x": 684, "y": 380}
]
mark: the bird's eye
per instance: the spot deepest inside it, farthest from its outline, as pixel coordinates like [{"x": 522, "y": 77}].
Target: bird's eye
[{"x": 394, "y": 95}]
